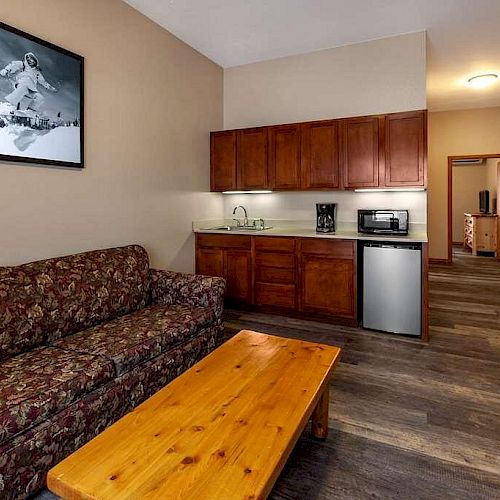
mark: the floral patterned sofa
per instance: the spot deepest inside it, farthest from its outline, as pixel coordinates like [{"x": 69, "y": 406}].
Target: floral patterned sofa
[{"x": 83, "y": 340}]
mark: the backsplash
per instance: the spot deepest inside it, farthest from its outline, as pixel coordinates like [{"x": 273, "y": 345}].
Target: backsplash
[{"x": 302, "y": 206}]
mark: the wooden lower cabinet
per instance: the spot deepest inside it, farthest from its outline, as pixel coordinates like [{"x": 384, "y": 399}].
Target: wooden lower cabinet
[
  {"x": 328, "y": 277},
  {"x": 275, "y": 272},
  {"x": 228, "y": 257},
  {"x": 309, "y": 276},
  {"x": 275, "y": 295},
  {"x": 210, "y": 261},
  {"x": 238, "y": 269}
]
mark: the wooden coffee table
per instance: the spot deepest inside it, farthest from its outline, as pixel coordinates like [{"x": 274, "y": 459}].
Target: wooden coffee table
[{"x": 222, "y": 430}]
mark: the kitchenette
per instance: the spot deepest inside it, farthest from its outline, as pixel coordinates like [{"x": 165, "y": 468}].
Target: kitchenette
[{"x": 323, "y": 220}]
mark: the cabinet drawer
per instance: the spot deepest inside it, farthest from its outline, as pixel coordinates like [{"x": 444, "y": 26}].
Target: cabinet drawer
[
  {"x": 275, "y": 243},
  {"x": 284, "y": 260},
  {"x": 275, "y": 295},
  {"x": 224, "y": 241},
  {"x": 344, "y": 249},
  {"x": 274, "y": 275}
]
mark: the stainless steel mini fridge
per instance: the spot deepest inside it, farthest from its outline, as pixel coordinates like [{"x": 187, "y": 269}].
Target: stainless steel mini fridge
[{"x": 392, "y": 288}]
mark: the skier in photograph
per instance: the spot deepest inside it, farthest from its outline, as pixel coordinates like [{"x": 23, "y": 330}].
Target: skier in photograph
[{"x": 28, "y": 75}]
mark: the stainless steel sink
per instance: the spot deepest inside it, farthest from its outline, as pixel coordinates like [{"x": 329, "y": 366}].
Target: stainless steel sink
[
  {"x": 223, "y": 228},
  {"x": 239, "y": 228}
]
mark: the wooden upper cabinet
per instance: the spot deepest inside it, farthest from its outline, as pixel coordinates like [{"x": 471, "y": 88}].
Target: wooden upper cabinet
[
  {"x": 252, "y": 154},
  {"x": 405, "y": 149},
  {"x": 223, "y": 160},
  {"x": 320, "y": 155},
  {"x": 284, "y": 157},
  {"x": 360, "y": 152}
]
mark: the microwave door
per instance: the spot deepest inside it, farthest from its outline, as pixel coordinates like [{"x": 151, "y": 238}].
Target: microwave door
[{"x": 382, "y": 222}]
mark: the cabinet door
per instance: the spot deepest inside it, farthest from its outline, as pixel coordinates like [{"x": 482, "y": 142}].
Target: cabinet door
[
  {"x": 210, "y": 261},
  {"x": 252, "y": 159},
  {"x": 405, "y": 149},
  {"x": 320, "y": 155},
  {"x": 328, "y": 276},
  {"x": 237, "y": 264},
  {"x": 284, "y": 157},
  {"x": 360, "y": 152},
  {"x": 223, "y": 160},
  {"x": 328, "y": 285}
]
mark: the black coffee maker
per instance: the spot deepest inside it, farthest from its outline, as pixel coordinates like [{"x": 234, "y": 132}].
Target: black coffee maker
[{"x": 326, "y": 217}]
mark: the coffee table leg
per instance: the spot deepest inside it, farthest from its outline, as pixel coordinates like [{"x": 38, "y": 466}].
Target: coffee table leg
[{"x": 320, "y": 415}]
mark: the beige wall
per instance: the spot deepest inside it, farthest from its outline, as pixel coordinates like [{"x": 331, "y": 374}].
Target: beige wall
[
  {"x": 492, "y": 178},
  {"x": 452, "y": 133},
  {"x": 468, "y": 180},
  {"x": 150, "y": 101},
  {"x": 380, "y": 76},
  {"x": 374, "y": 77}
]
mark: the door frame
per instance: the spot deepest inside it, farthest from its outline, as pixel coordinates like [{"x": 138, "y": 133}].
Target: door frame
[{"x": 450, "y": 195}]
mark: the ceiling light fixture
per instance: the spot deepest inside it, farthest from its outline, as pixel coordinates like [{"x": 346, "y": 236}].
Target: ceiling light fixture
[{"x": 482, "y": 81}]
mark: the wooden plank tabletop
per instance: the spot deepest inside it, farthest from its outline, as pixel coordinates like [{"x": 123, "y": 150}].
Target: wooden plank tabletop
[{"x": 222, "y": 430}]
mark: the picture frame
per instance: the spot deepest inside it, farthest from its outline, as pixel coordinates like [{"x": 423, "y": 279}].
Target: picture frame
[{"x": 41, "y": 101}]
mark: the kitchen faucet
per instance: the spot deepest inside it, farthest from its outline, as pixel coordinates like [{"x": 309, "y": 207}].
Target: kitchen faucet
[{"x": 245, "y": 220}]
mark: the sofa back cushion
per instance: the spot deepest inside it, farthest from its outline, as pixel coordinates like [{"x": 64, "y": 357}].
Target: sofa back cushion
[{"x": 45, "y": 300}]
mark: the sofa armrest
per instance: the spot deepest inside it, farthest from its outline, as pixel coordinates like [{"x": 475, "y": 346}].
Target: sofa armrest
[{"x": 168, "y": 287}]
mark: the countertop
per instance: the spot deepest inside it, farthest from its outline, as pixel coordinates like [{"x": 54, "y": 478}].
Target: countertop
[{"x": 412, "y": 237}]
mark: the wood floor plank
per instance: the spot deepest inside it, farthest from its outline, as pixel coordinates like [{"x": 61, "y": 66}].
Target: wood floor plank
[{"x": 348, "y": 466}]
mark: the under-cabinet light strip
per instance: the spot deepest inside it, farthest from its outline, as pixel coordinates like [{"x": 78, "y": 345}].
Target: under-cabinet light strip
[
  {"x": 260, "y": 191},
  {"x": 360, "y": 190},
  {"x": 397, "y": 190}
]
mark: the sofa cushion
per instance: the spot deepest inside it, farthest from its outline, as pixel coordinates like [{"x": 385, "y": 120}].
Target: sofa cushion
[
  {"x": 49, "y": 299},
  {"x": 140, "y": 336},
  {"x": 39, "y": 383}
]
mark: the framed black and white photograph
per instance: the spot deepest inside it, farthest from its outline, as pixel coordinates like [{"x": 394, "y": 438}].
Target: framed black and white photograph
[{"x": 41, "y": 101}]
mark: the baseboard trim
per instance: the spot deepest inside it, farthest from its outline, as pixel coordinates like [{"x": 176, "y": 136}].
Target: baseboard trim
[{"x": 439, "y": 261}]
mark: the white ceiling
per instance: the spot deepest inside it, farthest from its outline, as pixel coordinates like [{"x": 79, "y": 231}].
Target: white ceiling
[{"x": 463, "y": 35}]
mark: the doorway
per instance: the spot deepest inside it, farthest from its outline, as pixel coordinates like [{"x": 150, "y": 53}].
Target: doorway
[{"x": 463, "y": 196}]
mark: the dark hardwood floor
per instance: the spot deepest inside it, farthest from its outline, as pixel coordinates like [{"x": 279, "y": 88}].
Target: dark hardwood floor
[{"x": 407, "y": 420}]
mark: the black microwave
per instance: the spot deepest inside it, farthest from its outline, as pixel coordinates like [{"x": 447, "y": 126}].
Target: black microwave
[{"x": 383, "y": 221}]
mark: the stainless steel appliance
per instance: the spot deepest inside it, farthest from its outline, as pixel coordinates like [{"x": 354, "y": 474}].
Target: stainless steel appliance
[
  {"x": 392, "y": 288},
  {"x": 383, "y": 221},
  {"x": 326, "y": 217}
]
